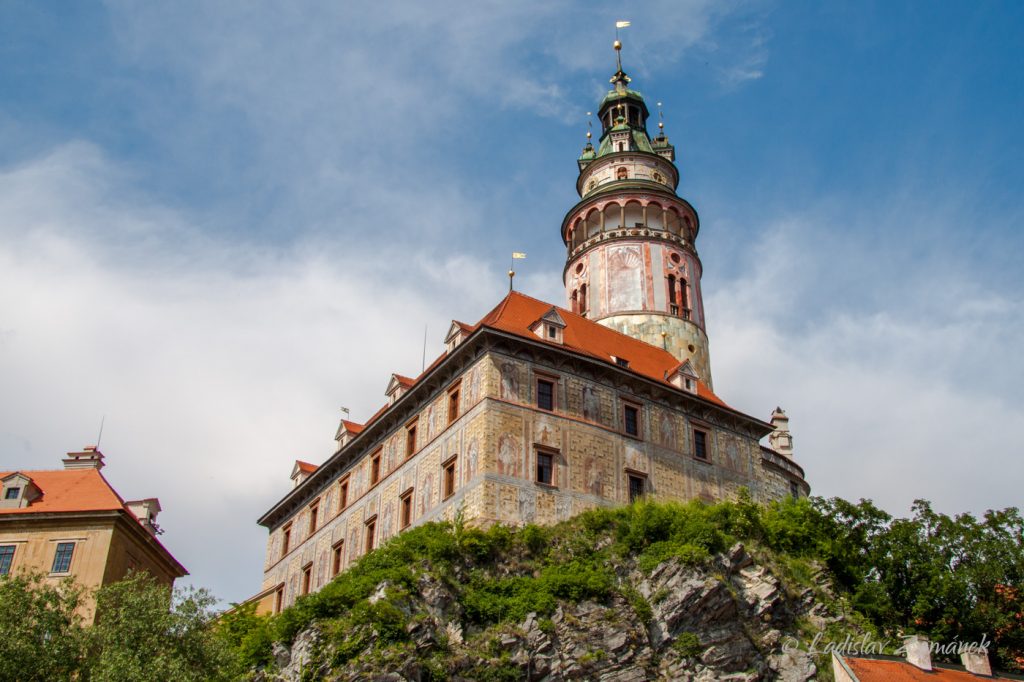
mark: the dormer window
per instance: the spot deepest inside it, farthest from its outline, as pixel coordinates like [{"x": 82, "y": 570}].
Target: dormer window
[
  {"x": 18, "y": 491},
  {"x": 12, "y": 493},
  {"x": 457, "y": 332},
  {"x": 684, "y": 377},
  {"x": 550, "y": 326},
  {"x": 621, "y": 362}
]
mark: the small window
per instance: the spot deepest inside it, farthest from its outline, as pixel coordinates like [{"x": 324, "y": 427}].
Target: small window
[
  {"x": 307, "y": 578},
  {"x": 406, "y": 502},
  {"x": 794, "y": 491},
  {"x": 449, "y": 477},
  {"x": 279, "y": 600},
  {"x": 410, "y": 440},
  {"x": 338, "y": 552},
  {"x": 545, "y": 468},
  {"x": 62, "y": 557},
  {"x": 375, "y": 468},
  {"x": 314, "y": 513},
  {"x": 637, "y": 486},
  {"x": 6, "y": 558},
  {"x": 12, "y": 493},
  {"x": 631, "y": 420},
  {"x": 622, "y": 362},
  {"x": 545, "y": 394},
  {"x": 700, "y": 444},
  {"x": 583, "y": 299},
  {"x": 286, "y": 539},
  {"x": 343, "y": 494},
  {"x": 453, "y": 406},
  {"x": 371, "y": 533}
]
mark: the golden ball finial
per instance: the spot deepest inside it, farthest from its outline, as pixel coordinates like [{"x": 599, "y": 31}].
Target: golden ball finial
[{"x": 617, "y": 45}]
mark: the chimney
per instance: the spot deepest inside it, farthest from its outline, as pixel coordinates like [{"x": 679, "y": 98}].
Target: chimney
[
  {"x": 146, "y": 511},
  {"x": 780, "y": 440},
  {"x": 975, "y": 659},
  {"x": 89, "y": 458},
  {"x": 919, "y": 651}
]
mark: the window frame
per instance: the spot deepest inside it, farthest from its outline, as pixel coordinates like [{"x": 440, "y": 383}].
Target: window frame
[
  {"x": 454, "y": 402},
  {"x": 314, "y": 515},
  {"x": 410, "y": 438},
  {"x": 12, "y": 493},
  {"x": 553, "y": 382},
  {"x": 370, "y": 534},
  {"x": 405, "y": 508},
  {"x": 306, "y": 583},
  {"x": 635, "y": 476},
  {"x": 628, "y": 404},
  {"x": 706, "y": 441},
  {"x": 375, "y": 460},
  {"x": 286, "y": 539},
  {"x": 449, "y": 479},
  {"x": 551, "y": 454},
  {"x": 57, "y": 556},
  {"x": 337, "y": 557},
  {"x": 343, "y": 493},
  {"x": 7, "y": 558}
]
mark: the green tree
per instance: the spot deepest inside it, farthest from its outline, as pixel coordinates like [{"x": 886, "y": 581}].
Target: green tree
[
  {"x": 41, "y": 637},
  {"x": 144, "y": 633}
]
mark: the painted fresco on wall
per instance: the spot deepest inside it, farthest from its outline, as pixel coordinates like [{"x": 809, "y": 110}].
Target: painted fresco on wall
[
  {"x": 387, "y": 521},
  {"x": 426, "y": 493},
  {"x": 353, "y": 543},
  {"x": 546, "y": 430},
  {"x": 563, "y": 507},
  {"x": 667, "y": 430},
  {"x": 508, "y": 455},
  {"x": 527, "y": 506},
  {"x": 625, "y": 277},
  {"x": 509, "y": 381},
  {"x": 635, "y": 459},
  {"x": 732, "y": 454},
  {"x": 705, "y": 484},
  {"x": 591, "y": 404},
  {"x": 595, "y": 476},
  {"x": 472, "y": 460}
]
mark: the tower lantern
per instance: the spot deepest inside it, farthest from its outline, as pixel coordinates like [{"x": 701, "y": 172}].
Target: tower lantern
[{"x": 632, "y": 264}]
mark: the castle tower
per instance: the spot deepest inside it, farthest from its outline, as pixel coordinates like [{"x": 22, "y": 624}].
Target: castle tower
[{"x": 632, "y": 264}]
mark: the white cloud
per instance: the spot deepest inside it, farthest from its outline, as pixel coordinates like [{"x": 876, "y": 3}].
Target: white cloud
[{"x": 216, "y": 363}]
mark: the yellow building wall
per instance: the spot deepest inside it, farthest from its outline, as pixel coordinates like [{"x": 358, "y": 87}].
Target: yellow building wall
[{"x": 495, "y": 439}]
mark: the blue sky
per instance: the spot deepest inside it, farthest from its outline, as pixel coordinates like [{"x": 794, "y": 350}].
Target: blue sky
[{"x": 222, "y": 221}]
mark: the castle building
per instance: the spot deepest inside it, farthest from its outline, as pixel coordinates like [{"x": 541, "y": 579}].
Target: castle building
[
  {"x": 71, "y": 522},
  {"x": 538, "y": 412}
]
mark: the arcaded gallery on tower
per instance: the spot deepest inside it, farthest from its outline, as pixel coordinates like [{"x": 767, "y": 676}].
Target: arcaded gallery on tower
[{"x": 537, "y": 412}]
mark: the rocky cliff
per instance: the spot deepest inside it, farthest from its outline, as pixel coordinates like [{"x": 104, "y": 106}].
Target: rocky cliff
[{"x": 728, "y": 616}]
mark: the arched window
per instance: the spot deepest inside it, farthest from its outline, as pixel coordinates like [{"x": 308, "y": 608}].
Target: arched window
[
  {"x": 582, "y": 303},
  {"x": 621, "y": 173},
  {"x": 683, "y": 298},
  {"x": 575, "y": 301},
  {"x": 672, "y": 289}
]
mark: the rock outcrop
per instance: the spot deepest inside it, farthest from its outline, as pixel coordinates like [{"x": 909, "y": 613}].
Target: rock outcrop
[{"x": 730, "y": 619}]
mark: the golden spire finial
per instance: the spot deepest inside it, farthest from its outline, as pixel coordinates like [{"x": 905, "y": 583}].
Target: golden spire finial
[
  {"x": 661, "y": 120},
  {"x": 590, "y": 125},
  {"x": 618, "y": 44}
]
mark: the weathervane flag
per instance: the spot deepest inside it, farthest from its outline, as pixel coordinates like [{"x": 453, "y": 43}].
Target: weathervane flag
[
  {"x": 518, "y": 254},
  {"x": 621, "y": 24}
]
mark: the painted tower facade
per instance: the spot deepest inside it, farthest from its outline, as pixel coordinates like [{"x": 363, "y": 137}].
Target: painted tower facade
[{"x": 632, "y": 264}]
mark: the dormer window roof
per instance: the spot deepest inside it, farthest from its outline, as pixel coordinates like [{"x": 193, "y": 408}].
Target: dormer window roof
[
  {"x": 18, "y": 491},
  {"x": 684, "y": 377},
  {"x": 457, "y": 333},
  {"x": 347, "y": 430},
  {"x": 397, "y": 387},
  {"x": 301, "y": 471},
  {"x": 550, "y": 326}
]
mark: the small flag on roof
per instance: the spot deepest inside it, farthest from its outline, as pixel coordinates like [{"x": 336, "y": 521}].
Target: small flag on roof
[
  {"x": 621, "y": 24},
  {"x": 517, "y": 254}
]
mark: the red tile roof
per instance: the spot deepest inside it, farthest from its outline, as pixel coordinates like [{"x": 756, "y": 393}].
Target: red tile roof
[
  {"x": 306, "y": 467},
  {"x": 518, "y": 311},
  {"x": 71, "y": 490},
  {"x": 872, "y": 670},
  {"x": 352, "y": 427}
]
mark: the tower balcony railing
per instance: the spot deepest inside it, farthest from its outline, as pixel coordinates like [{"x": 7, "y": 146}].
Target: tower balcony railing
[{"x": 637, "y": 231}]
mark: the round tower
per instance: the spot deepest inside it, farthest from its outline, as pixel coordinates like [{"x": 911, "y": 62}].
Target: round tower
[{"x": 632, "y": 264}]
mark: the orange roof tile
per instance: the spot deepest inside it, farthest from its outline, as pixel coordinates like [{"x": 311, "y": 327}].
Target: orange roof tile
[
  {"x": 872, "y": 670},
  {"x": 405, "y": 381},
  {"x": 306, "y": 467},
  {"x": 517, "y": 312},
  {"x": 71, "y": 490},
  {"x": 352, "y": 427}
]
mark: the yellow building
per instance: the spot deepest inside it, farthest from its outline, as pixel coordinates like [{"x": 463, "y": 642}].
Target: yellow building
[
  {"x": 538, "y": 412},
  {"x": 71, "y": 522}
]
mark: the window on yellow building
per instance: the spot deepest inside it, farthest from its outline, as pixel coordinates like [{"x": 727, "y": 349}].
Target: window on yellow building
[
  {"x": 6, "y": 558},
  {"x": 449, "y": 477},
  {"x": 62, "y": 557}
]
